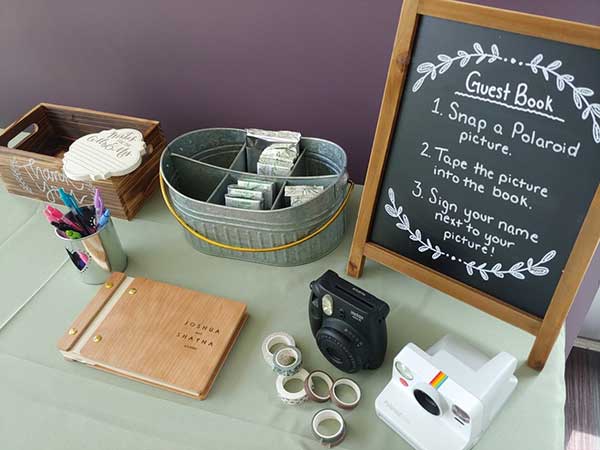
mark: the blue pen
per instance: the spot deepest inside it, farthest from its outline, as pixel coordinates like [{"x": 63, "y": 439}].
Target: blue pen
[
  {"x": 65, "y": 199},
  {"x": 69, "y": 202},
  {"x": 104, "y": 219},
  {"x": 75, "y": 205}
]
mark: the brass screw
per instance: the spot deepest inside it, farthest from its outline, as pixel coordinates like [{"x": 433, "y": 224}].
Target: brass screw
[
  {"x": 132, "y": 291},
  {"x": 108, "y": 285},
  {"x": 72, "y": 331},
  {"x": 97, "y": 338}
]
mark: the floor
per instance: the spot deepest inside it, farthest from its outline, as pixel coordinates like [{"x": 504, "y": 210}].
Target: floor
[{"x": 582, "y": 409}]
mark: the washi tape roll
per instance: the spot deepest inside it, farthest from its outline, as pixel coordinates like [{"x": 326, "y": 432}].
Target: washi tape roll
[
  {"x": 287, "y": 361},
  {"x": 291, "y": 398},
  {"x": 329, "y": 440},
  {"x": 352, "y": 385},
  {"x": 309, "y": 386},
  {"x": 272, "y": 340}
]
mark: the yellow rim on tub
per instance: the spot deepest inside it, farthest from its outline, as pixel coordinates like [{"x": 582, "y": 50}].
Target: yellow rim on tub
[{"x": 322, "y": 228}]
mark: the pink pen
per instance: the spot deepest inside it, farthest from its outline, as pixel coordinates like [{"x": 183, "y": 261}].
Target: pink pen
[
  {"x": 58, "y": 216},
  {"x": 49, "y": 216},
  {"x": 84, "y": 258}
]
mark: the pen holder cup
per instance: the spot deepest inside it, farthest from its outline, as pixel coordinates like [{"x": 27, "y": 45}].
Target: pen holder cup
[{"x": 96, "y": 256}]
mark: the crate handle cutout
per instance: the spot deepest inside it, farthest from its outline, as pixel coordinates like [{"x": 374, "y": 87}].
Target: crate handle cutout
[
  {"x": 13, "y": 139},
  {"x": 322, "y": 228},
  {"x": 16, "y": 141}
]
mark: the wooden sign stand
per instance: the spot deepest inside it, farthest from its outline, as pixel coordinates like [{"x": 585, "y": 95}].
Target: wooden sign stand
[{"x": 547, "y": 329}]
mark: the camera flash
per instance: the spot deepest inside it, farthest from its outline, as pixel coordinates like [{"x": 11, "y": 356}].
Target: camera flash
[
  {"x": 327, "y": 305},
  {"x": 404, "y": 371}
]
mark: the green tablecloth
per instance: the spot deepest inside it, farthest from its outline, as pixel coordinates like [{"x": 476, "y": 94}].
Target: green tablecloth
[{"x": 47, "y": 402}]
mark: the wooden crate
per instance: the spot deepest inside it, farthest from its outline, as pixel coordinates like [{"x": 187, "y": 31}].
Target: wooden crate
[{"x": 33, "y": 167}]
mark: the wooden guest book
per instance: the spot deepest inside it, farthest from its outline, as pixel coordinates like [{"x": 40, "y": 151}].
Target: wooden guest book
[{"x": 156, "y": 333}]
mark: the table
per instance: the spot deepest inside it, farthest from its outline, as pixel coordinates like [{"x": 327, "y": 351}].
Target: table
[{"x": 47, "y": 402}]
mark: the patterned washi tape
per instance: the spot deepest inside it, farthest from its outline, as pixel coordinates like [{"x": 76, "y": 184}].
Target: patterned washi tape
[
  {"x": 287, "y": 361},
  {"x": 352, "y": 385},
  {"x": 291, "y": 398},
  {"x": 335, "y": 438},
  {"x": 273, "y": 339},
  {"x": 309, "y": 386}
]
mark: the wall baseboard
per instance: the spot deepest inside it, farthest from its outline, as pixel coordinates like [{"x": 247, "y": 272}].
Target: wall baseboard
[{"x": 588, "y": 344}]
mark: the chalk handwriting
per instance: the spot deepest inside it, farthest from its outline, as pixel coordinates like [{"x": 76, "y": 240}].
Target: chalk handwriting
[
  {"x": 517, "y": 270},
  {"x": 33, "y": 178}
]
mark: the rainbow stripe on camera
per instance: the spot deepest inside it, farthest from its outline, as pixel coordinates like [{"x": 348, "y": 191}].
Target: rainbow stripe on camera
[{"x": 438, "y": 380}]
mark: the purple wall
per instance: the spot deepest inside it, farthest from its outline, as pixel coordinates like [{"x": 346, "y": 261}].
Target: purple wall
[
  {"x": 583, "y": 301},
  {"x": 314, "y": 66}
]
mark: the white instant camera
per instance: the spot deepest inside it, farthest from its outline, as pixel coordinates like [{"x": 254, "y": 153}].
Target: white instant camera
[{"x": 445, "y": 398}]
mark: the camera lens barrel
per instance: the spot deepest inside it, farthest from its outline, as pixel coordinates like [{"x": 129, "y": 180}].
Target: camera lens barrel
[
  {"x": 427, "y": 402},
  {"x": 338, "y": 350}
]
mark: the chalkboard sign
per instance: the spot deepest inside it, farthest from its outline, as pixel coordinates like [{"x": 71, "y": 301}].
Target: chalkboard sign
[{"x": 491, "y": 161}]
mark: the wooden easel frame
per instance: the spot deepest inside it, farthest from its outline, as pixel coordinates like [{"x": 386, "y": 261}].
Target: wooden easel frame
[{"x": 547, "y": 329}]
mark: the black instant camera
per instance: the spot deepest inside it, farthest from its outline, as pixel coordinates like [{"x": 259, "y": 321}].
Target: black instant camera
[{"x": 347, "y": 323}]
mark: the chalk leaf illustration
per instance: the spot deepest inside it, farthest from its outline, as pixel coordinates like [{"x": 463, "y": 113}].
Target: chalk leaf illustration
[
  {"x": 390, "y": 210},
  {"x": 580, "y": 93},
  {"x": 517, "y": 270},
  {"x": 431, "y": 70},
  {"x": 469, "y": 266}
]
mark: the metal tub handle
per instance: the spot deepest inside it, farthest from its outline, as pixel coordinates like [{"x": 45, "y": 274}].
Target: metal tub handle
[{"x": 319, "y": 230}]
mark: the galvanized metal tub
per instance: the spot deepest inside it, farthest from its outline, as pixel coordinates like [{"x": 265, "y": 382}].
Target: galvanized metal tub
[{"x": 195, "y": 170}]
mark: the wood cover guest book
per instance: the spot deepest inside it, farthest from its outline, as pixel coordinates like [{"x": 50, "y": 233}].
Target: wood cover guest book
[{"x": 156, "y": 333}]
